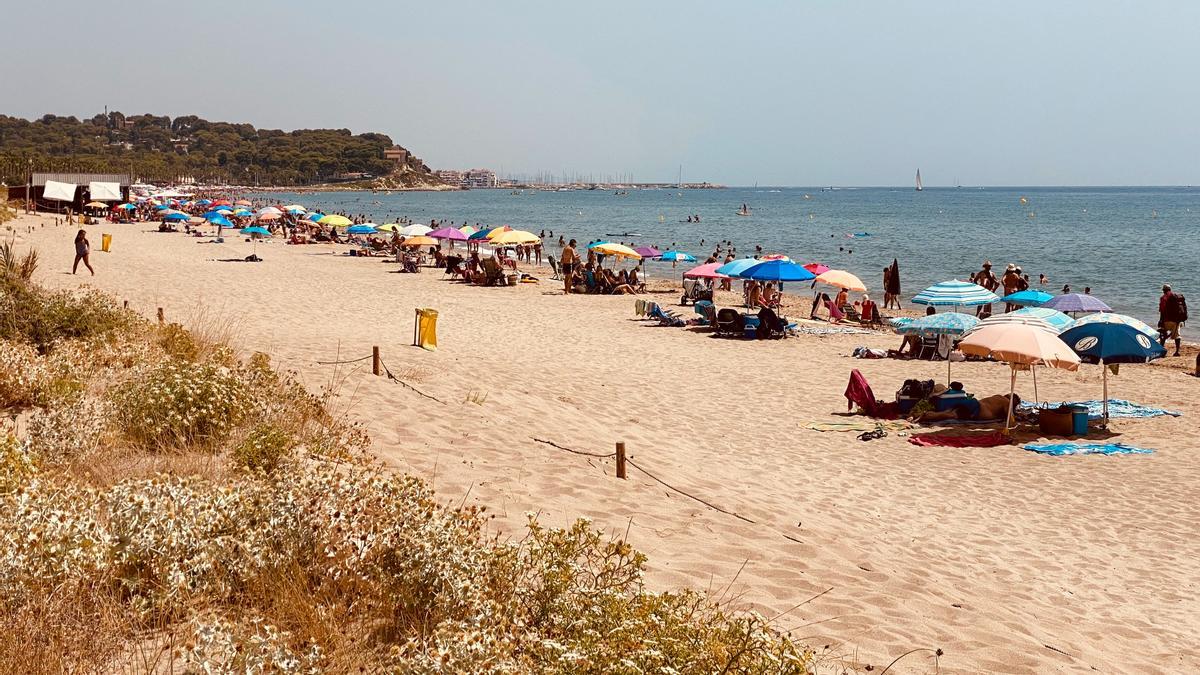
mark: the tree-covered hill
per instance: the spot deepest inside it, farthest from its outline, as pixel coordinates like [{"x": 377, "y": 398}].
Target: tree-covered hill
[{"x": 158, "y": 148}]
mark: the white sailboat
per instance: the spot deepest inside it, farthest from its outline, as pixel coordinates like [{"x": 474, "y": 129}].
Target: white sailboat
[{"x": 919, "y": 188}]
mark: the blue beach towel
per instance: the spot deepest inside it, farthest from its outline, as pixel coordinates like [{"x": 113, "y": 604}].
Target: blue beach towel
[
  {"x": 1060, "y": 449},
  {"x": 1116, "y": 408}
]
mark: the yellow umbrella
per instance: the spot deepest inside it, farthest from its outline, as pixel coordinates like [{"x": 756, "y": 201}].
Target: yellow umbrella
[
  {"x": 513, "y": 237},
  {"x": 618, "y": 250},
  {"x": 497, "y": 231},
  {"x": 1019, "y": 345},
  {"x": 467, "y": 230},
  {"x": 841, "y": 279},
  {"x": 389, "y": 227},
  {"x": 96, "y": 205},
  {"x": 335, "y": 220},
  {"x": 420, "y": 241}
]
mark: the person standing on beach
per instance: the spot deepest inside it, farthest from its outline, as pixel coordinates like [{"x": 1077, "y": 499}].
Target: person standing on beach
[
  {"x": 1172, "y": 311},
  {"x": 986, "y": 278},
  {"x": 567, "y": 264},
  {"x": 83, "y": 249}
]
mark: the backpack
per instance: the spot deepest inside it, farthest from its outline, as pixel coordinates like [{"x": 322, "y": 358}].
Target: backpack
[{"x": 1177, "y": 307}]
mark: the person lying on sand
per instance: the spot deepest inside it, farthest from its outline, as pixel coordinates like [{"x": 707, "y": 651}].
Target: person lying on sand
[{"x": 990, "y": 408}]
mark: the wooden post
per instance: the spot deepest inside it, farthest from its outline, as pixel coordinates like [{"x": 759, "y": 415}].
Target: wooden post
[
  {"x": 1198, "y": 365},
  {"x": 376, "y": 363},
  {"x": 621, "y": 459},
  {"x": 126, "y": 304},
  {"x": 161, "y": 319},
  {"x": 416, "y": 326}
]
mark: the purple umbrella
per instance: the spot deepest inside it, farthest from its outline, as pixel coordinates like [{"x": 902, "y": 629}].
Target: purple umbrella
[
  {"x": 1076, "y": 302},
  {"x": 448, "y": 233},
  {"x": 648, "y": 251}
]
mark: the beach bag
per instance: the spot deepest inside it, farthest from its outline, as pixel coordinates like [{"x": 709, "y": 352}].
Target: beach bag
[{"x": 1177, "y": 308}]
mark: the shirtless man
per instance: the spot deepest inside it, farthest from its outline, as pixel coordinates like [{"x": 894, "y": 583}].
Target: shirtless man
[
  {"x": 568, "y": 262},
  {"x": 990, "y": 408}
]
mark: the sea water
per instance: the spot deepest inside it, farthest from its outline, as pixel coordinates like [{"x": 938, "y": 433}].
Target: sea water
[{"x": 1124, "y": 243}]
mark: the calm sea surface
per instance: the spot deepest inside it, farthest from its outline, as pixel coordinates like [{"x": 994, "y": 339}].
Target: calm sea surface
[{"x": 1123, "y": 242}]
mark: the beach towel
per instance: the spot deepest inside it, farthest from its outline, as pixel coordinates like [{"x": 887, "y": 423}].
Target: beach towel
[
  {"x": 1116, "y": 408},
  {"x": 985, "y": 440},
  {"x": 859, "y": 393},
  {"x": 1060, "y": 449},
  {"x": 888, "y": 425}
]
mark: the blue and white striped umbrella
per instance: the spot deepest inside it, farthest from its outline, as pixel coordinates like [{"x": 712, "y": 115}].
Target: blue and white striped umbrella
[
  {"x": 956, "y": 293},
  {"x": 1049, "y": 320},
  {"x": 1109, "y": 317},
  {"x": 949, "y": 323},
  {"x": 677, "y": 256}
]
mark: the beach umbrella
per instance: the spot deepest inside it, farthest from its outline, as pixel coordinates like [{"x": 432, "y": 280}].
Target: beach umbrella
[
  {"x": 197, "y": 220},
  {"x": 618, "y": 250},
  {"x": 220, "y": 221},
  {"x": 255, "y": 230},
  {"x": 1044, "y": 319},
  {"x": 1019, "y": 345},
  {"x": 777, "y": 270},
  {"x": 213, "y": 214},
  {"x": 294, "y": 209},
  {"x": 420, "y": 240},
  {"x": 448, "y": 233},
  {"x": 467, "y": 230},
  {"x": 224, "y": 211},
  {"x": 816, "y": 268},
  {"x": 497, "y": 231},
  {"x": 242, "y": 213},
  {"x": 1027, "y": 298},
  {"x": 956, "y": 293},
  {"x": 841, "y": 279},
  {"x": 361, "y": 229},
  {"x": 161, "y": 207},
  {"x": 514, "y": 238},
  {"x": 676, "y": 256},
  {"x": 222, "y": 202},
  {"x": 1076, "y": 302},
  {"x": 707, "y": 271},
  {"x": 480, "y": 235},
  {"x": 243, "y": 202},
  {"x": 96, "y": 205},
  {"x": 316, "y": 216},
  {"x": 335, "y": 220},
  {"x": 269, "y": 209},
  {"x": 1117, "y": 341},
  {"x": 176, "y": 217},
  {"x": 648, "y": 251},
  {"x": 948, "y": 323},
  {"x": 1112, "y": 317},
  {"x": 736, "y": 267},
  {"x": 389, "y": 227},
  {"x": 203, "y": 202},
  {"x": 415, "y": 230},
  {"x": 600, "y": 242}
]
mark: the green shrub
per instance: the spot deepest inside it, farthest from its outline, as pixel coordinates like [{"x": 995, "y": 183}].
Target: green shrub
[
  {"x": 178, "y": 405},
  {"x": 264, "y": 449},
  {"x": 42, "y": 318}
]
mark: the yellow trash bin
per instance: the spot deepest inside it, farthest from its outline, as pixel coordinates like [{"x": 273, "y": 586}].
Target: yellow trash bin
[
  {"x": 425, "y": 329},
  {"x": 105, "y": 242}
]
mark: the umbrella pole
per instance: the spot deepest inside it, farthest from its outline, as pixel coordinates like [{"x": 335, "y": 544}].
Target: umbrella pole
[
  {"x": 1104, "y": 374},
  {"x": 1012, "y": 388},
  {"x": 1033, "y": 369},
  {"x": 947, "y": 370}
]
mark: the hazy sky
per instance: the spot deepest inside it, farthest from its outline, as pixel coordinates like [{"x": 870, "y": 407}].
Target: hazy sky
[{"x": 778, "y": 93}]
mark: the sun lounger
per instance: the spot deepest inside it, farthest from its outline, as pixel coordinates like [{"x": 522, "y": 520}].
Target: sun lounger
[{"x": 665, "y": 318}]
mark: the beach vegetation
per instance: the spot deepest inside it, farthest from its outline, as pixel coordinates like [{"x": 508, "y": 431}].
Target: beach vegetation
[{"x": 179, "y": 509}]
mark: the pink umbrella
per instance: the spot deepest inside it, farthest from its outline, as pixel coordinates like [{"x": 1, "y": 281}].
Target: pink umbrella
[
  {"x": 708, "y": 271},
  {"x": 816, "y": 268},
  {"x": 268, "y": 216},
  {"x": 448, "y": 233}
]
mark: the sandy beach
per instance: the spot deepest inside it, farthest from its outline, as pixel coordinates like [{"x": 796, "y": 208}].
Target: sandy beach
[{"x": 1004, "y": 559}]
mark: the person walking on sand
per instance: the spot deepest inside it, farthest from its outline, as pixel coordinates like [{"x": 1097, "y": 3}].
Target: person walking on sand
[
  {"x": 567, "y": 264},
  {"x": 1172, "y": 311},
  {"x": 83, "y": 249}
]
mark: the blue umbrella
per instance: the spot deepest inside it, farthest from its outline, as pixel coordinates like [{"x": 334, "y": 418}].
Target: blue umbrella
[
  {"x": 956, "y": 294},
  {"x": 360, "y": 229},
  {"x": 1028, "y": 298},
  {"x": 482, "y": 234},
  {"x": 777, "y": 270},
  {"x": 735, "y": 268},
  {"x": 220, "y": 221},
  {"x": 204, "y": 202},
  {"x": 161, "y": 207},
  {"x": 947, "y": 323},
  {"x": 1076, "y": 302},
  {"x": 677, "y": 256},
  {"x": 1111, "y": 342},
  {"x": 315, "y": 216},
  {"x": 256, "y": 230},
  {"x": 175, "y": 217},
  {"x": 127, "y": 207},
  {"x": 602, "y": 242},
  {"x": 209, "y": 215}
]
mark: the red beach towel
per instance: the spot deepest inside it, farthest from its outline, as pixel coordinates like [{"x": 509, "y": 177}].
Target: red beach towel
[
  {"x": 986, "y": 440},
  {"x": 859, "y": 392}
]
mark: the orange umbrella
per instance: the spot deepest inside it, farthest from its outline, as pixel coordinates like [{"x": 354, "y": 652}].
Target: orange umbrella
[
  {"x": 268, "y": 216},
  {"x": 1020, "y": 345},
  {"x": 841, "y": 279},
  {"x": 420, "y": 241}
]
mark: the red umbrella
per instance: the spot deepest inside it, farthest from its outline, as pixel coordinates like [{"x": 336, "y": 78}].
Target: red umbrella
[{"x": 816, "y": 268}]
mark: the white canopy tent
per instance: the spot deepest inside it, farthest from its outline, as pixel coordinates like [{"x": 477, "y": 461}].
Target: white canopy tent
[
  {"x": 63, "y": 192},
  {"x": 105, "y": 192}
]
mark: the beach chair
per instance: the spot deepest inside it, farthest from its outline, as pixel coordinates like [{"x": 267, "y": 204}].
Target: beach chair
[
  {"x": 706, "y": 311},
  {"x": 553, "y": 267},
  {"x": 851, "y": 313},
  {"x": 665, "y": 318},
  {"x": 695, "y": 290},
  {"x": 928, "y": 351},
  {"x": 730, "y": 322},
  {"x": 770, "y": 326}
]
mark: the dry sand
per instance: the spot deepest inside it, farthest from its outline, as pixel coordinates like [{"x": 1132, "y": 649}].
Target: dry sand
[{"x": 1007, "y": 560}]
